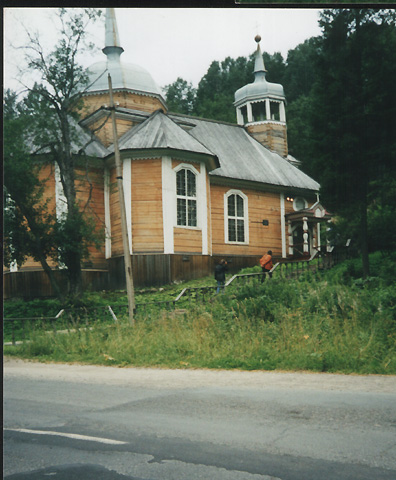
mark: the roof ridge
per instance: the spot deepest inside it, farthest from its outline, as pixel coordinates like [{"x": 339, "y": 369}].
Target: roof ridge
[
  {"x": 183, "y": 115},
  {"x": 191, "y": 136}
]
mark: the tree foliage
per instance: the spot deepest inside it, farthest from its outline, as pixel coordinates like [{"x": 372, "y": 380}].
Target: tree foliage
[
  {"x": 47, "y": 126},
  {"x": 180, "y": 96},
  {"x": 353, "y": 113}
]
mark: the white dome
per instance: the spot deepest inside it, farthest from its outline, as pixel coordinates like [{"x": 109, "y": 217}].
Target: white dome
[
  {"x": 126, "y": 76},
  {"x": 260, "y": 88}
]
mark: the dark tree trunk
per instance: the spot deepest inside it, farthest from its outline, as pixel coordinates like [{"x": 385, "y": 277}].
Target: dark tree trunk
[{"x": 364, "y": 239}]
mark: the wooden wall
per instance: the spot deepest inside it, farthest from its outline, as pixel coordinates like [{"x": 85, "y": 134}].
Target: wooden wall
[
  {"x": 271, "y": 135},
  {"x": 45, "y": 173},
  {"x": 187, "y": 240},
  {"x": 148, "y": 270},
  {"x": 261, "y": 206},
  {"x": 90, "y": 194},
  {"x": 30, "y": 284},
  {"x": 103, "y": 129},
  {"x": 147, "y": 223},
  {"x": 146, "y": 208},
  {"x": 115, "y": 216},
  {"x": 131, "y": 100}
]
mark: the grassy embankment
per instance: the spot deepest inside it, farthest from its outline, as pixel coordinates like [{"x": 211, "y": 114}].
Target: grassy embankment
[{"x": 325, "y": 322}]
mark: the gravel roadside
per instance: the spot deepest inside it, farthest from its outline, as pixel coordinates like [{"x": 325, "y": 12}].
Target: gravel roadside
[{"x": 190, "y": 378}]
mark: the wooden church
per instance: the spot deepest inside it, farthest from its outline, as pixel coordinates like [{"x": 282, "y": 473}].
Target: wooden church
[{"x": 196, "y": 190}]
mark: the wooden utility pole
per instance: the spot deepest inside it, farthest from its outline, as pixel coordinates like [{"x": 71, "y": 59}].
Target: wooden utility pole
[{"x": 124, "y": 228}]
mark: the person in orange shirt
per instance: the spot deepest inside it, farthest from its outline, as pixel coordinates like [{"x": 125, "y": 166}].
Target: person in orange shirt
[{"x": 266, "y": 265}]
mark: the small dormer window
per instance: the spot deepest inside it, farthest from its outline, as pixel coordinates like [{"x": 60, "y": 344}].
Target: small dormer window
[{"x": 299, "y": 203}]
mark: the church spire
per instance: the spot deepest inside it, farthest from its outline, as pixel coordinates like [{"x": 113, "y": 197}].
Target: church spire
[
  {"x": 259, "y": 68},
  {"x": 112, "y": 47},
  {"x": 260, "y": 107}
]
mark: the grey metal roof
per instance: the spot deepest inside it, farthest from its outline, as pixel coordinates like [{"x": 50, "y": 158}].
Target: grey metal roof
[
  {"x": 81, "y": 141},
  {"x": 89, "y": 143},
  {"x": 158, "y": 132},
  {"x": 244, "y": 158}
]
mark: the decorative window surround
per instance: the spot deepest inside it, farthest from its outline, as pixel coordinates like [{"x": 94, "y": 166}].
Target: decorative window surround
[
  {"x": 245, "y": 217},
  {"x": 186, "y": 194},
  {"x": 169, "y": 203}
]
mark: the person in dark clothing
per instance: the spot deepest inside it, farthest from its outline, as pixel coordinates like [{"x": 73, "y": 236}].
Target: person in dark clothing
[
  {"x": 266, "y": 265},
  {"x": 220, "y": 271}
]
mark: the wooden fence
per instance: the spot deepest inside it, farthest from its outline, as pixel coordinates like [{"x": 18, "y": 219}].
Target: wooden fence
[{"x": 80, "y": 316}]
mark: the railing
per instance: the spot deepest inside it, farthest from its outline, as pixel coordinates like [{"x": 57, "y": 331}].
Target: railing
[
  {"x": 287, "y": 269},
  {"x": 65, "y": 319},
  {"x": 14, "y": 322}
]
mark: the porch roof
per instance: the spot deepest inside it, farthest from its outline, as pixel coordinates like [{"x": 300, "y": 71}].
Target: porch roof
[{"x": 316, "y": 212}]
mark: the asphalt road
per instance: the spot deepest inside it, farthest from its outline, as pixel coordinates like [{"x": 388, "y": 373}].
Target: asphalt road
[{"x": 101, "y": 423}]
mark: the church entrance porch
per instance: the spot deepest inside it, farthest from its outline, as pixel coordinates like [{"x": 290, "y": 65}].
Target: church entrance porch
[{"x": 304, "y": 230}]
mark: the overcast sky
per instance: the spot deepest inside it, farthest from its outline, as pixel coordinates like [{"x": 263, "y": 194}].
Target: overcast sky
[{"x": 169, "y": 42}]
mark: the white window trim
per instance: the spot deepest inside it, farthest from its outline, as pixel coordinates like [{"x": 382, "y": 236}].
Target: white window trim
[
  {"x": 169, "y": 203},
  {"x": 245, "y": 217},
  {"x": 186, "y": 166}
]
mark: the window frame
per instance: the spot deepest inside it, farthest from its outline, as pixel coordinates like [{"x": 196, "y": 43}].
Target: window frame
[
  {"x": 296, "y": 200},
  {"x": 187, "y": 198},
  {"x": 245, "y": 217}
]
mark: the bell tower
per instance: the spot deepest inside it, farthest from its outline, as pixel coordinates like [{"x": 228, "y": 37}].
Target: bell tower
[{"x": 260, "y": 107}]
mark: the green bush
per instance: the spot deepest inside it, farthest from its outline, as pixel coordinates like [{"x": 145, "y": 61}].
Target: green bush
[{"x": 326, "y": 322}]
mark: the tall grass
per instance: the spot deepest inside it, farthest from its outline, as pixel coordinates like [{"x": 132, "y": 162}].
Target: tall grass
[{"x": 314, "y": 323}]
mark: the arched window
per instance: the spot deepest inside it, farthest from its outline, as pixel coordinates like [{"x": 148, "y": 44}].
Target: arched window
[
  {"x": 236, "y": 230},
  {"x": 299, "y": 203},
  {"x": 186, "y": 192}
]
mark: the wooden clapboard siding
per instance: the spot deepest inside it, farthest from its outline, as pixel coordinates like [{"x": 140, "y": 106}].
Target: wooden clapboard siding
[
  {"x": 147, "y": 223},
  {"x": 134, "y": 101},
  {"x": 271, "y": 135},
  {"x": 90, "y": 196},
  {"x": 46, "y": 173},
  {"x": 94, "y": 199},
  {"x": 103, "y": 129},
  {"x": 30, "y": 284},
  {"x": 187, "y": 240},
  {"x": 261, "y": 206},
  {"x": 115, "y": 216}
]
